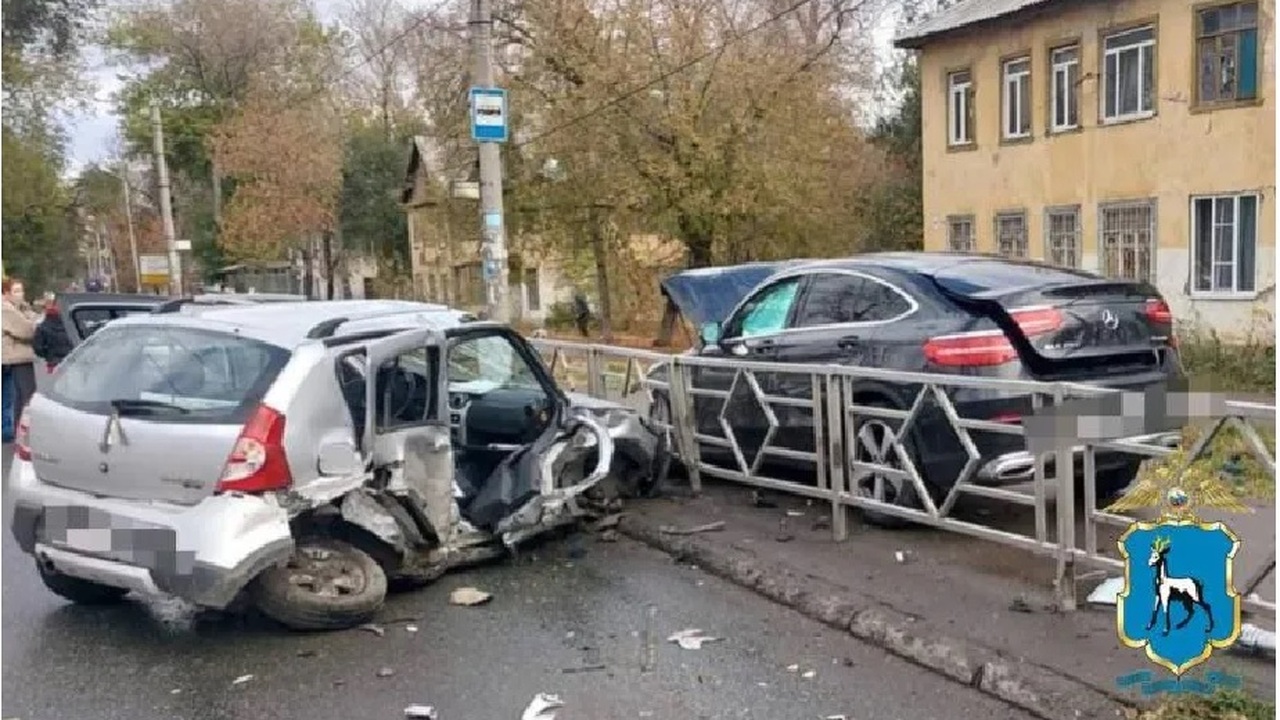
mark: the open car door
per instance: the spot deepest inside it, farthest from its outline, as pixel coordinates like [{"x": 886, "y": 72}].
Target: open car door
[
  {"x": 523, "y": 455},
  {"x": 406, "y": 431}
]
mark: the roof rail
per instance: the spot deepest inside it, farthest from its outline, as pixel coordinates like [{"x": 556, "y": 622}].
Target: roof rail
[
  {"x": 171, "y": 306},
  {"x": 326, "y": 328}
]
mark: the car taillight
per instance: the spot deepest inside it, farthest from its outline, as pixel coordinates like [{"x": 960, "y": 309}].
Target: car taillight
[
  {"x": 22, "y": 438},
  {"x": 990, "y": 347},
  {"x": 1158, "y": 311},
  {"x": 257, "y": 463},
  {"x": 1037, "y": 320}
]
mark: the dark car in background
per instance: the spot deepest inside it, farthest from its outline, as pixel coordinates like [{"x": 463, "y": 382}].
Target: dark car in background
[{"x": 945, "y": 313}]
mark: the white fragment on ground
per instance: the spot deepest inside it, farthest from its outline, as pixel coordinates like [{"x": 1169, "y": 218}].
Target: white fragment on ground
[
  {"x": 420, "y": 711},
  {"x": 793, "y": 668},
  {"x": 411, "y": 628},
  {"x": 691, "y": 639},
  {"x": 176, "y": 691},
  {"x": 836, "y": 717},
  {"x": 242, "y": 680},
  {"x": 762, "y": 684},
  {"x": 795, "y": 513},
  {"x": 902, "y": 556},
  {"x": 1106, "y": 592},
  {"x": 386, "y": 672},
  {"x": 1255, "y": 638},
  {"x": 375, "y": 629},
  {"x": 809, "y": 674},
  {"x": 542, "y": 707},
  {"x": 469, "y": 596}
]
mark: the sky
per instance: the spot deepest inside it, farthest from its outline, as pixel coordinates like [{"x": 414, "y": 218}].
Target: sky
[{"x": 92, "y": 131}]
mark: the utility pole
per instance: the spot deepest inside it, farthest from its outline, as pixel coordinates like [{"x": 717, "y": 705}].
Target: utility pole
[
  {"x": 492, "y": 223},
  {"x": 133, "y": 238},
  {"x": 166, "y": 209}
]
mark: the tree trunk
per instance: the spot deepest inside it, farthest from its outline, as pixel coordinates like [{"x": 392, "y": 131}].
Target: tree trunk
[
  {"x": 215, "y": 182},
  {"x": 326, "y": 249},
  {"x": 696, "y": 240},
  {"x": 601, "y": 254},
  {"x": 308, "y": 273}
]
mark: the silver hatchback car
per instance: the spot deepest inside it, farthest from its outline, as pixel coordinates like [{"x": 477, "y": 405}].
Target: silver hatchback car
[{"x": 301, "y": 456}]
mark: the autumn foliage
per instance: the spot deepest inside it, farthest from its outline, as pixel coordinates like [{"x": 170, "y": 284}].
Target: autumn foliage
[{"x": 285, "y": 156}]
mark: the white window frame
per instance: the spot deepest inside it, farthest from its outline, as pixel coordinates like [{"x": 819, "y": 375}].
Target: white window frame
[
  {"x": 1233, "y": 293},
  {"x": 1014, "y": 85},
  {"x": 1061, "y": 76},
  {"x": 960, "y": 93},
  {"x": 1116, "y": 52},
  {"x": 1062, "y": 211}
]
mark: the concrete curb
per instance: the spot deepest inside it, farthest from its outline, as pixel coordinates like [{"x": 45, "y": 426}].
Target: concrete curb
[{"x": 1038, "y": 690}]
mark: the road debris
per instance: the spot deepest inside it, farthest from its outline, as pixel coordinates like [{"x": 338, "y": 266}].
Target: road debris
[
  {"x": 427, "y": 712},
  {"x": 709, "y": 527},
  {"x": 795, "y": 513},
  {"x": 411, "y": 628},
  {"x": 375, "y": 629},
  {"x": 1106, "y": 592},
  {"x": 176, "y": 691},
  {"x": 691, "y": 639},
  {"x": 242, "y": 680},
  {"x": 469, "y": 597},
  {"x": 542, "y": 707},
  {"x": 385, "y": 672},
  {"x": 1254, "y": 640},
  {"x": 793, "y": 668},
  {"x": 584, "y": 669},
  {"x": 904, "y": 556},
  {"x": 809, "y": 674},
  {"x": 760, "y": 501}
]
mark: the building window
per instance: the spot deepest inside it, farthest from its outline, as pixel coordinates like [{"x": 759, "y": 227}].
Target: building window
[
  {"x": 960, "y": 234},
  {"x": 1011, "y": 234},
  {"x": 1224, "y": 239},
  {"x": 1126, "y": 239},
  {"x": 960, "y": 108},
  {"x": 1129, "y": 74},
  {"x": 532, "y": 291},
  {"x": 1016, "y": 98},
  {"x": 1064, "y": 102},
  {"x": 1062, "y": 236},
  {"x": 1227, "y": 53},
  {"x": 469, "y": 279}
]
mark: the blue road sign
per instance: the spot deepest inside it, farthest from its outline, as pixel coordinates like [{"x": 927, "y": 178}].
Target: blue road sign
[{"x": 488, "y": 115}]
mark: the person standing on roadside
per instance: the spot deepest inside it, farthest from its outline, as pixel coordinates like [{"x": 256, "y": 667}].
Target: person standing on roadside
[
  {"x": 18, "y": 358},
  {"x": 51, "y": 342},
  {"x": 581, "y": 312}
]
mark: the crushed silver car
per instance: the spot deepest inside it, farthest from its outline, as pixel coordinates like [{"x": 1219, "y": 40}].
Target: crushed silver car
[{"x": 304, "y": 457}]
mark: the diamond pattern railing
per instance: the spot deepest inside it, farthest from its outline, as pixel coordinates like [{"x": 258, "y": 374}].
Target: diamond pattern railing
[{"x": 705, "y": 421}]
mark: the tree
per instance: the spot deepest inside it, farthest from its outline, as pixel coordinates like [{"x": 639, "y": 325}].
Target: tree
[
  {"x": 285, "y": 154},
  {"x": 741, "y": 145},
  {"x": 373, "y": 170}
]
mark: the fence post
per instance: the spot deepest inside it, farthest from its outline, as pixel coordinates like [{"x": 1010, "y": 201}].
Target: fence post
[
  {"x": 834, "y": 388},
  {"x": 595, "y": 373},
  {"x": 1064, "y": 471},
  {"x": 683, "y": 418}
]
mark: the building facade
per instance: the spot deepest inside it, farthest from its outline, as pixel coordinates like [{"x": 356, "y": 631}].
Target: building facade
[{"x": 1135, "y": 138}]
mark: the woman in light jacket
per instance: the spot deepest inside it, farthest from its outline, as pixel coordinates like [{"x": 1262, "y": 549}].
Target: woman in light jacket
[{"x": 16, "y": 354}]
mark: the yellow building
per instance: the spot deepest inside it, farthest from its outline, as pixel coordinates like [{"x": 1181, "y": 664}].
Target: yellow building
[{"x": 1135, "y": 138}]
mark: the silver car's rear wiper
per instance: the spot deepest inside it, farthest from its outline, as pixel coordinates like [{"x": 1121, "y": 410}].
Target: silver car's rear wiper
[{"x": 126, "y": 406}]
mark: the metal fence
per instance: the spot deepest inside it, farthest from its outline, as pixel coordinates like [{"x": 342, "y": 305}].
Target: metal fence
[{"x": 696, "y": 400}]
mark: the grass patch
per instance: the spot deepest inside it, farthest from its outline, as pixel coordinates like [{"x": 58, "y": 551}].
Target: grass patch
[
  {"x": 1223, "y": 705},
  {"x": 1245, "y": 363}
]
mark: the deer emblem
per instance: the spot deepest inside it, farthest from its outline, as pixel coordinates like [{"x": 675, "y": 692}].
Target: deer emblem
[{"x": 1186, "y": 591}]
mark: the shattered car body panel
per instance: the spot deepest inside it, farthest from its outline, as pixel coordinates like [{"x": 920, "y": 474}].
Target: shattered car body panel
[{"x": 424, "y": 439}]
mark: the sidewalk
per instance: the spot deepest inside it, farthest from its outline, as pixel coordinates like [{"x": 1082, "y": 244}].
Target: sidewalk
[{"x": 968, "y": 608}]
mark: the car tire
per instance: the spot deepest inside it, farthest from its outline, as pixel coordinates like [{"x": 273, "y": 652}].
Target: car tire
[
  {"x": 908, "y": 497},
  {"x": 327, "y": 584},
  {"x": 78, "y": 591}
]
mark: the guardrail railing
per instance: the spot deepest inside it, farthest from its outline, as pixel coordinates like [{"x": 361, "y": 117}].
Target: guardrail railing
[{"x": 867, "y": 438}]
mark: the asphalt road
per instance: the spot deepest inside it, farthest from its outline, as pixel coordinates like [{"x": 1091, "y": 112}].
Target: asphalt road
[{"x": 565, "y": 606}]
